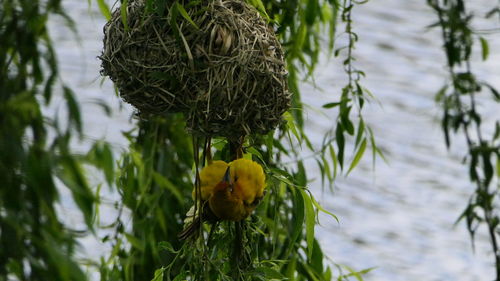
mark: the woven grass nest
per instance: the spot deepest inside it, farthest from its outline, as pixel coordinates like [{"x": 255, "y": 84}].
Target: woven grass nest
[{"x": 226, "y": 73}]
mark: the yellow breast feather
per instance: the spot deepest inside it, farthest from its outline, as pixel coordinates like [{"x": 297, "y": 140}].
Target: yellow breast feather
[
  {"x": 249, "y": 179},
  {"x": 210, "y": 176}
]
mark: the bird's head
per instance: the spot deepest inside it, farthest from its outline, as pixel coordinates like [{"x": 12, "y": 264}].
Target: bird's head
[{"x": 225, "y": 183}]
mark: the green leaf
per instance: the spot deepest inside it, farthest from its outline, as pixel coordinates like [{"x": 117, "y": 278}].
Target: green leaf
[
  {"x": 307, "y": 271},
  {"x": 164, "y": 245},
  {"x": 298, "y": 215},
  {"x": 310, "y": 221},
  {"x": 135, "y": 242},
  {"x": 158, "y": 274},
  {"x": 334, "y": 160},
  {"x": 496, "y": 134},
  {"x": 101, "y": 156},
  {"x": 300, "y": 38},
  {"x": 269, "y": 273},
  {"x": 498, "y": 166},
  {"x": 361, "y": 131},
  {"x": 103, "y": 7},
  {"x": 71, "y": 174},
  {"x": 181, "y": 276},
  {"x": 494, "y": 92},
  {"x": 47, "y": 92},
  {"x": 108, "y": 163},
  {"x": 280, "y": 147},
  {"x": 66, "y": 268},
  {"x": 256, "y": 153},
  {"x": 485, "y": 50},
  {"x": 162, "y": 181},
  {"x": 358, "y": 156},
  {"x": 103, "y": 105},
  {"x": 321, "y": 170},
  {"x": 291, "y": 268},
  {"x": 73, "y": 109},
  {"x": 185, "y": 15},
  {"x": 347, "y": 124},
  {"x": 316, "y": 261},
  {"x": 283, "y": 179},
  {"x": 327, "y": 170},
  {"x": 301, "y": 175},
  {"x": 375, "y": 149},
  {"x": 339, "y": 135},
  {"x": 356, "y": 274},
  {"x": 124, "y": 15},
  {"x": 312, "y": 10},
  {"x": 291, "y": 126},
  {"x": 260, "y": 7},
  {"x": 319, "y": 207},
  {"x": 487, "y": 166},
  {"x": 331, "y": 105},
  {"x": 441, "y": 94}
]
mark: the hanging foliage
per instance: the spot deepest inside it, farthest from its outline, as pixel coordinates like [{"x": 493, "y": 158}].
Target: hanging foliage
[
  {"x": 461, "y": 113},
  {"x": 36, "y": 161}
]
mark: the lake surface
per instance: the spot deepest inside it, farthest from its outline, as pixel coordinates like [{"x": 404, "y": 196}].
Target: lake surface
[{"x": 397, "y": 216}]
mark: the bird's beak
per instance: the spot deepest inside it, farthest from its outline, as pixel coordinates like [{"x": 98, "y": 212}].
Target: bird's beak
[{"x": 227, "y": 176}]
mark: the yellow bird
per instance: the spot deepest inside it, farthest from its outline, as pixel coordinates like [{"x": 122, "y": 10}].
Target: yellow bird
[
  {"x": 239, "y": 191},
  {"x": 232, "y": 191}
]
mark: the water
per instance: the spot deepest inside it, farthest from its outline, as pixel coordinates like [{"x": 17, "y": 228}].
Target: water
[{"x": 398, "y": 216}]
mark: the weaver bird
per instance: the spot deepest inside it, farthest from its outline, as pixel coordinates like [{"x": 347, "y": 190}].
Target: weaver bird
[
  {"x": 239, "y": 191},
  {"x": 232, "y": 192}
]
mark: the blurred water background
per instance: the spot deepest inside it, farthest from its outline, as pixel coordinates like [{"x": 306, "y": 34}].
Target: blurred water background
[{"x": 397, "y": 216}]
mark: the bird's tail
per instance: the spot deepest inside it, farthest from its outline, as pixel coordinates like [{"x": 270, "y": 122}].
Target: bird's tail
[
  {"x": 192, "y": 224},
  {"x": 191, "y": 229}
]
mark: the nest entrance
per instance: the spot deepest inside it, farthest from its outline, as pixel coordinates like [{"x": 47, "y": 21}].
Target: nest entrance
[{"x": 226, "y": 74}]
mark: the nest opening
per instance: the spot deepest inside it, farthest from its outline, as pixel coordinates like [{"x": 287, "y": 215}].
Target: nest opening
[{"x": 226, "y": 74}]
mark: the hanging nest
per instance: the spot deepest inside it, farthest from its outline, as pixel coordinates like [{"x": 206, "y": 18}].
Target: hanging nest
[{"x": 226, "y": 72}]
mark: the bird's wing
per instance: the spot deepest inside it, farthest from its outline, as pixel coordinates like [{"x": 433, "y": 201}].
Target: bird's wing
[{"x": 249, "y": 179}]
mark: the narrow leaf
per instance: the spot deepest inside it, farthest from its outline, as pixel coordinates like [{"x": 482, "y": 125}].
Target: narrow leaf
[
  {"x": 103, "y": 7},
  {"x": 158, "y": 274},
  {"x": 360, "y": 133},
  {"x": 136, "y": 243},
  {"x": 164, "y": 245},
  {"x": 485, "y": 50},
  {"x": 298, "y": 215},
  {"x": 124, "y": 14},
  {"x": 319, "y": 207},
  {"x": 339, "y": 135},
  {"x": 185, "y": 15},
  {"x": 358, "y": 156},
  {"x": 310, "y": 221},
  {"x": 73, "y": 109},
  {"x": 269, "y": 273},
  {"x": 291, "y": 125},
  {"x": 168, "y": 185},
  {"x": 331, "y": 105},
  {"x": 334, "y": 160}
]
